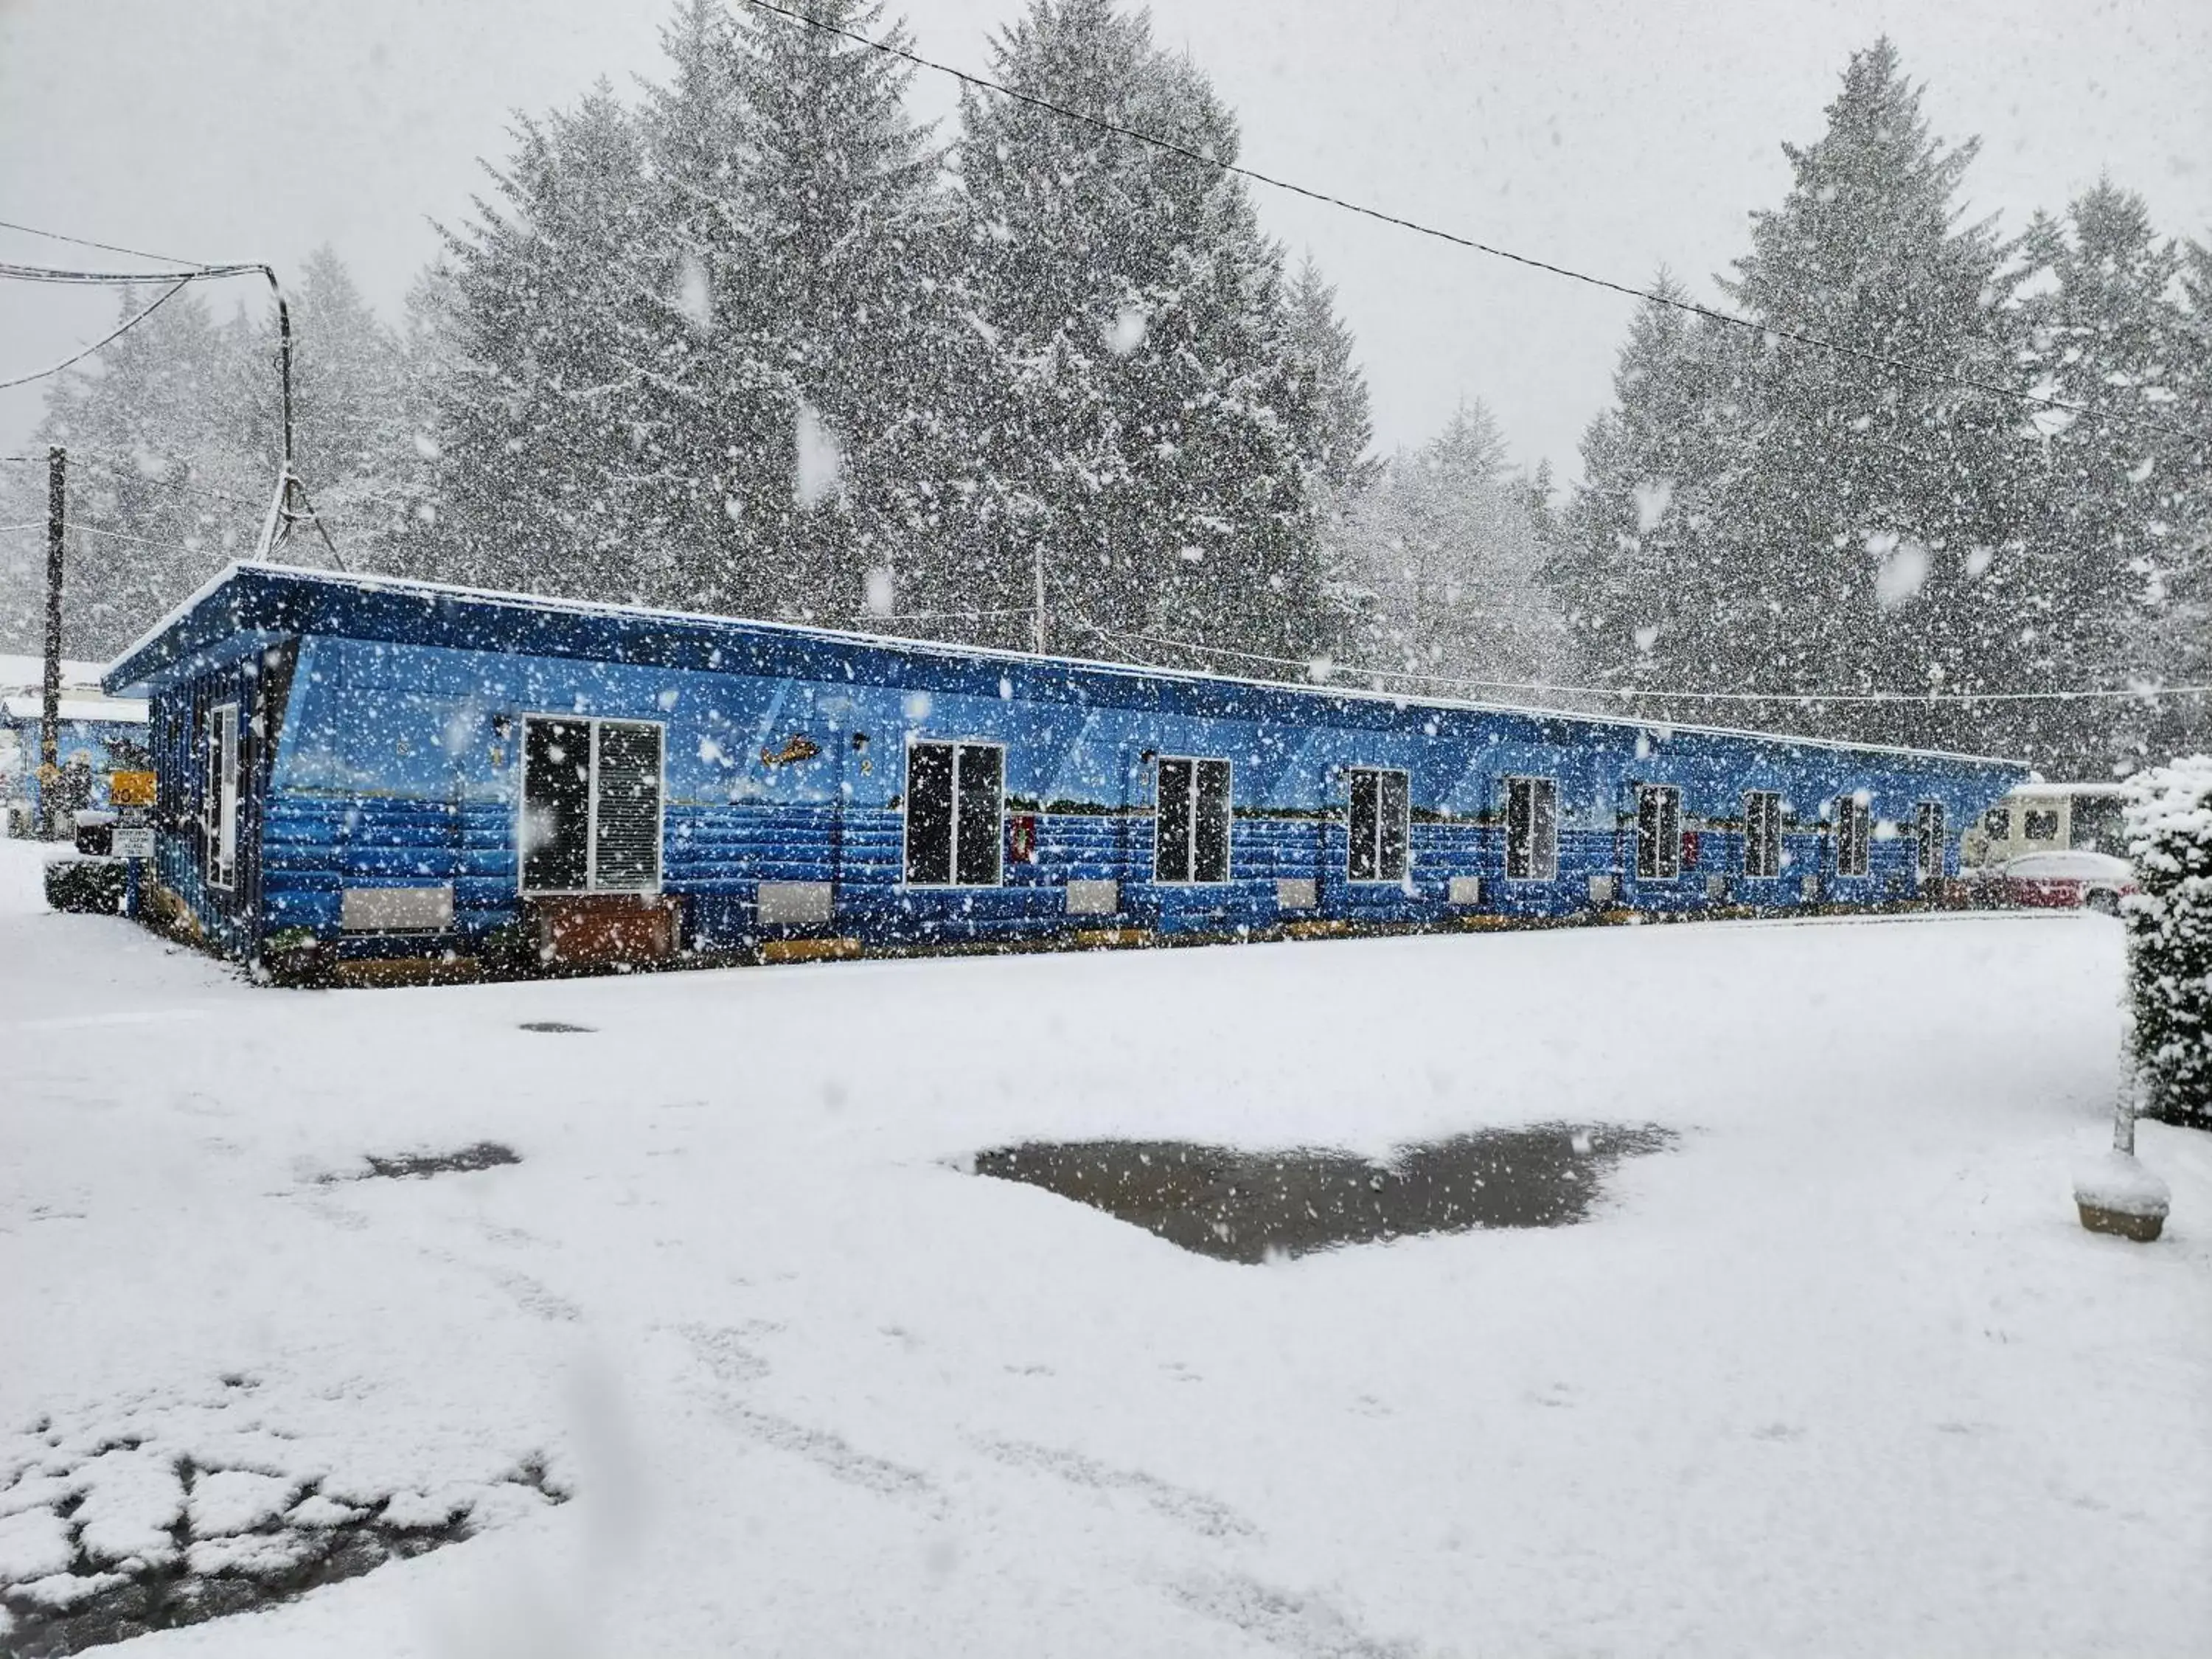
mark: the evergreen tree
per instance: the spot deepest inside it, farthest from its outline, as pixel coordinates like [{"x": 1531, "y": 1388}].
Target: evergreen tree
[
  {"x": 2102, "y": 334},
  {"x": 1159, "y": 429},
  {"x": 162, "y": 492},
  {"x": 1879, "y": 500},
  {"x": 1343, "y": 428},
  {"x": 1649, "y": 587},
  {"x": 1451, "y": 553}
]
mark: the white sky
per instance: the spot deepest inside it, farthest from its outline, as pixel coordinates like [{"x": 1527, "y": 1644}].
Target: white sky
[{"x": 1611, "y": 135}]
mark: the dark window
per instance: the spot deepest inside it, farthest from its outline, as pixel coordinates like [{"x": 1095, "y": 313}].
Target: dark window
[
  {"x": 1379, "y": 809},
  {"x": 2039, "y": 824},
  {"x": 1658, "y": 832},
  {"x": 955, "y": 808},
  {"x": 1190, "y": 838},
  {"x": 929, "y": 814},
  {"x": 626, "y": 829},
  {"x": 1853, "y": 832},
  {"x": 1930, "y": 832},
  {"x": 591, "y": 805},
  {"x": 1762, "y": 833},
  {"x": 1171, "y": 825},
  {"x": 979, "y": 833},
  {"x": 1532, "y": 830},
  {"x": 2098, "y": 825},
  {"x": 1997, "y": 823}
]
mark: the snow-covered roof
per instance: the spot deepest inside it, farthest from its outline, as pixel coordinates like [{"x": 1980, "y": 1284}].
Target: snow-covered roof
[
  {"x": 21, "y": 673},
  {"x": 166, "y": 642},
  {"x": 2111, "y": 786},
  {"x": 129, "y": 711}
]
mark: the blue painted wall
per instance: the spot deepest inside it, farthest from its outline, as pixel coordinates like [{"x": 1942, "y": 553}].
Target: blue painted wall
[{"x": 395, "y": 759}]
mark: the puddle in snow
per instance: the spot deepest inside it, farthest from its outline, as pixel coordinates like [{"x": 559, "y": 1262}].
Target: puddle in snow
[
  {"x": 554, "y": 1025},
  {"x": 416, "y": 1166},
  {"x": 1247, "y": 1206}
]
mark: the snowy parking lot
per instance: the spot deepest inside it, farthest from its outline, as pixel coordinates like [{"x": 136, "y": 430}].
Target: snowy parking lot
[{"x": 1836, "y": 1372}]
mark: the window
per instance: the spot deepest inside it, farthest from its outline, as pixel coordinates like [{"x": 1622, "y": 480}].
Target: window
[
  {"x": 1997, "y": 823},
  {"x": 1762, "y": 833},
  {"x": 1929, "y": 836},
  {"x": 1379, "y": 807},
  {"x": 2039, "y": 824},
  {"x": 219, "y": 796},
  {"x": 1190, "y": 836},
  {"x": 1658, "y": 832},
  {"x": 591, "y": 805},
  {"x": 1853, "y": 832},
  {"x": 1532, "y": 830},
  {"x": 955, "y": 807}
]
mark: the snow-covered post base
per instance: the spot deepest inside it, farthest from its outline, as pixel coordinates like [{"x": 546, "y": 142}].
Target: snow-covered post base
[{"x": 2117, "y": 1195}]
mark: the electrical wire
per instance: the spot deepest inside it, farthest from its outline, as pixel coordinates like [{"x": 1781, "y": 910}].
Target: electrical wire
[
  {"x": 100, "y": 461},
  {"x": 1540, "y": 690},
  {"x": 26, "y": 380},
  {"x": 105, "y": 247},
  {"x": 15, "y": 271},
  {"x": 942, "y": 615},
  {"x": 1899, "y": 364}
]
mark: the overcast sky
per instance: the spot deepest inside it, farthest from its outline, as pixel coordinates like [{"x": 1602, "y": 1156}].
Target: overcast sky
[{"x": 1615, "y": 136}]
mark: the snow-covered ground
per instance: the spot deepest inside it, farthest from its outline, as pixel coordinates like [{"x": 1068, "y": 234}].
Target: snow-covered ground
[{"x": 1839, "y": 1374}]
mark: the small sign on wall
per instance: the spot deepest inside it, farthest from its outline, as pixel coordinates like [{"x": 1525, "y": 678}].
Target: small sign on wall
[
  {"x": 131, "y": 788},
  {"x": 127, "y": 842}
]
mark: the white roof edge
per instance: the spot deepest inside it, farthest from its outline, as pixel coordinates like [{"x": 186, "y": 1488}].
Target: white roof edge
[
  {"x": 939, "y": 648},
  {"x": 177, "y": 611}
]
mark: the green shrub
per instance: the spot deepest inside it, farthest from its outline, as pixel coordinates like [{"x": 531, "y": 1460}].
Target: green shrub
[
  {"x": 86, "y": 885},
  {"x": 2169, "y": 924}
]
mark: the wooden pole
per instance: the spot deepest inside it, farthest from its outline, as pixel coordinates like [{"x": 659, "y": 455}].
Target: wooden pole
[{"x": 50, "y": 730}]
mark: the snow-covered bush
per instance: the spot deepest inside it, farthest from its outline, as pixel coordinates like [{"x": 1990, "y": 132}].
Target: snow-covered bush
[{"x": 2170, "y": 938}]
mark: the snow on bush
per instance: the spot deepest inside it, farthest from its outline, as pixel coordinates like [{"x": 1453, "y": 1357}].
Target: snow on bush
[{"x": 2169, "y": 924}]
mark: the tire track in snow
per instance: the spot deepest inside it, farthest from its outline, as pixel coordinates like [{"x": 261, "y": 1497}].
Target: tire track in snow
[
  {"x": 1206, "y": 1515},
  {"x": 1306, "y": 1626}
]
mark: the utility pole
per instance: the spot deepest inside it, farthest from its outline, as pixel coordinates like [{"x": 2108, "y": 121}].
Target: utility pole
[
  {"x": 1039, "y": 629},
  {"x": 291, "y": 508},
  {"x": 50, "y": 727}
]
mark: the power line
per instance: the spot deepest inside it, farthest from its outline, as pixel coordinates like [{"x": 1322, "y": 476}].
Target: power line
[
  {"x": 1901, "y": 365},
  {"x": 1540, "y": 690},
  {"x": 938, "y": 616},
  {"x": 25, "y": 379},
  {"x": 105, "y": 247},
  {"x": 16, "y": 272},
  {"x": 101, "y": 461}
]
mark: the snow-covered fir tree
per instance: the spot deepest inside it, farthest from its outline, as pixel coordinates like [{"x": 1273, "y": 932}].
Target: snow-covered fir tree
[
  {"x": 553, "y": 464},
  {"x": 162, "y": 487},
  {"x": 1645, "y": 584},
  {"x": 1154, "y": 429},
  {"x": 1451, "y": 551},
  {"x": 2109, "y": 501}
]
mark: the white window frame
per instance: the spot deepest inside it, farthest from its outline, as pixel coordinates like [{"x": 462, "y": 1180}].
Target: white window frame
[
  {"x": 1406, "y": 836},
  {"x": 593, "y": 722},
  {"x": 221, "y": 807},
  {"x": 906, "y": 801},
  {"x": 1190, "y": 829},
  {"x": 1545, "y": 868},
  {"x": 1751, "y": 836},
  {"x": 1852, "y": 830},
  {"x": 1924, "y": 843},
  {"x": 1667, "y": 850}
]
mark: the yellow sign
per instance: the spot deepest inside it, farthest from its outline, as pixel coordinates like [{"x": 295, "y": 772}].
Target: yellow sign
[{"x": 131, "y": 788}]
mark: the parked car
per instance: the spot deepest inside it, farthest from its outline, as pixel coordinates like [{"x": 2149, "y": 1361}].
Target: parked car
[{"x": 2068, "y": 881}]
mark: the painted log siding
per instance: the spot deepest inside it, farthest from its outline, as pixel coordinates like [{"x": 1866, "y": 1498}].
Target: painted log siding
[{"x": 387, "y": 722}]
